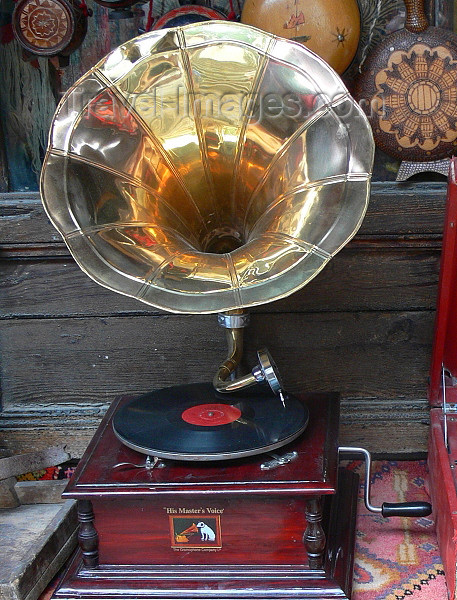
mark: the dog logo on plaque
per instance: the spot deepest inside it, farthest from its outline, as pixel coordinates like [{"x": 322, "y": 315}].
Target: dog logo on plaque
[{"x": 193, "y": 531}]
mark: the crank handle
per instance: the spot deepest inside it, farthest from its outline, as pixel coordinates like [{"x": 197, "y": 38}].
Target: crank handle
[
  {"x": 388, "y": 509},
  {"x": 406, "y": 509}
]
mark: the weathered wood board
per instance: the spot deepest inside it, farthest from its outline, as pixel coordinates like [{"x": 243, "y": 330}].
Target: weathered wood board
[
  {"x": 93, "y": 359},
  {"x": 359, "y": 278},
  {"x": 363, "y": 327},
  {"x": 35, "y": 542},
  {"x": 46, "y": 491},
  {"x": 395, "y": 209}
]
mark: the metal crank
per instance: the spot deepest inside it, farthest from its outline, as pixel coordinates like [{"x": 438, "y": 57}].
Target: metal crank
[{"x": 388, "y": 509}]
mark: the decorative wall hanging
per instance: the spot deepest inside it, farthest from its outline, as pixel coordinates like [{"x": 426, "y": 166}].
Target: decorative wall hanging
[
  {"x": 331, "y": 29},
  {"x": 187, "y": 13},
  {"x": 50, "y": 27},
  {"x": 408, "y": 89}
]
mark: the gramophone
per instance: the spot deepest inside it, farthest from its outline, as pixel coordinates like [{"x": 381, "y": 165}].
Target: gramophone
[{"x": 207, "y": 169}]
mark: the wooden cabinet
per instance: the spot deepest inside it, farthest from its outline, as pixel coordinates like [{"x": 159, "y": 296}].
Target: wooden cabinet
[{"x": 141, "y": 528}]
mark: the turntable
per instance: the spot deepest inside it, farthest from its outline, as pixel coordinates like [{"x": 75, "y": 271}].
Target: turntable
[{"x": 208, "y": 169}]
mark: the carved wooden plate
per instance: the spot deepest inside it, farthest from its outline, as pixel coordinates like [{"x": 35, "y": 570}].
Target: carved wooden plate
[
  {"x": 408, "y": 90},
  {"x": 49, "y": 27}
]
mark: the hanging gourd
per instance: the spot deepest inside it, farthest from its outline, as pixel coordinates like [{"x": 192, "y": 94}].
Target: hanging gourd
[{"x": 330, "y": 28}]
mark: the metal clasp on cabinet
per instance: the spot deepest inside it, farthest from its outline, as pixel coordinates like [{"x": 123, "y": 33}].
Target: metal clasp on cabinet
[
  {"x": 278, "y": 461},
  {"x": 151, "y": 462},
  {"x": 448, "y": 408}
]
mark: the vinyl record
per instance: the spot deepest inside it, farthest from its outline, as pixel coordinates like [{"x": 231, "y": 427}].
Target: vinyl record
[{"x": 194, "y": 422}]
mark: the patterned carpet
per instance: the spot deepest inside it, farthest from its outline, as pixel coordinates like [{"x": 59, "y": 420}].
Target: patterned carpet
[{"x": 396, "y": 558}]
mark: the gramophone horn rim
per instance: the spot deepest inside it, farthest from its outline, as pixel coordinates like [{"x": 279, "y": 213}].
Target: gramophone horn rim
[{"x": 252, "y": 275}]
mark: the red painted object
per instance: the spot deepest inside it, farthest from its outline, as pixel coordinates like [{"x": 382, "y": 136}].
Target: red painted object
[
  {"x": 215, "y": 530},
  {"x": 189, "y": 13},
  {"x": 442, "y": 455}
]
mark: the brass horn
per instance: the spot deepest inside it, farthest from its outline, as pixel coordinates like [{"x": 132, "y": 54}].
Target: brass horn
[{"x": 207, "y": 168}]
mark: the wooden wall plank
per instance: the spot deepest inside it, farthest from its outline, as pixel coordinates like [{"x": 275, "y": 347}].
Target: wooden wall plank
[
  {"x": 363, "y": 327},
  {"x": 363, "y": 355},
  {"x": 389, "y": 434},
  {"x": 356, "y": 279},
  {"x": 23, "y": 220},
  {"x": 394, "y": 209},
  {"x": 405, "y": 209},
  {"x": 404, "y": 439},
  {"x": 388, "y": 438}
]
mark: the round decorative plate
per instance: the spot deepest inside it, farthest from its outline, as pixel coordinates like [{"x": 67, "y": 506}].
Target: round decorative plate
[
  {"x": 49, "y": 27},
  {"x": 408, "y": 90}
]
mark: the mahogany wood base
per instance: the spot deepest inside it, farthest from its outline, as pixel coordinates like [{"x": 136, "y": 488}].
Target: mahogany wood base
[
  {"x": 244, "y": 528},
  {"x": 215, "y": 582}
]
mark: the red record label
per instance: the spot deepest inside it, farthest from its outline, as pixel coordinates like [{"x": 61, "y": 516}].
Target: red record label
[{"x": 211, "y": 415}]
